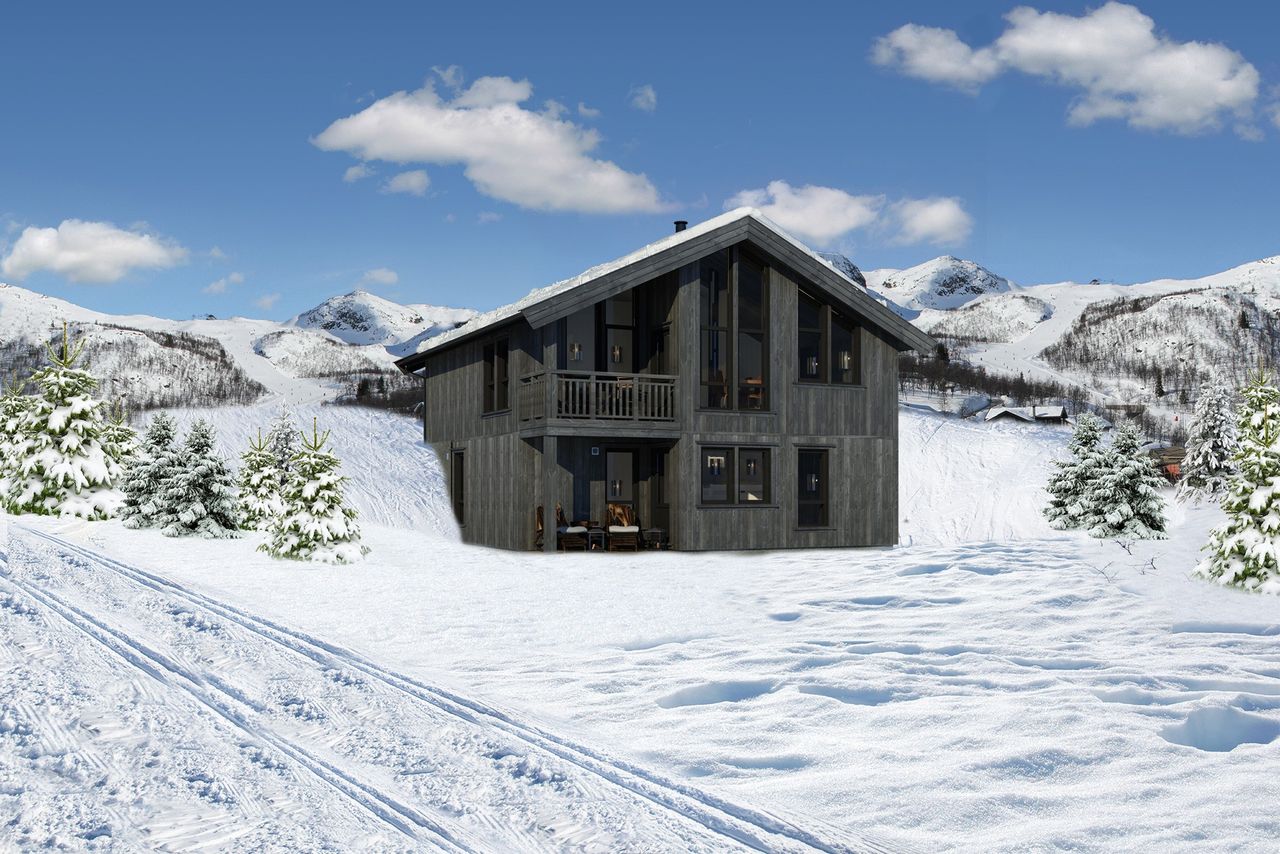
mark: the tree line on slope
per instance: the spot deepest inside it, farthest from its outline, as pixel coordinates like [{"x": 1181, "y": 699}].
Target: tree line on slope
[{"x": 62, "y": 455}]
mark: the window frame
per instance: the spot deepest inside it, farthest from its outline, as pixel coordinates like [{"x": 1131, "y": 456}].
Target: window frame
[
  {"x": 497, "y": 376},
  {"x": 458, "y": 485},
  {"x": 823, "y": 500},
  {"x": 828, "y": 319},
  {"x": 732, "y": 460}
]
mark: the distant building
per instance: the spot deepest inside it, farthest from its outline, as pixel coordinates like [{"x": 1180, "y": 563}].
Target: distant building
[{"x": 1034, "y": 414}]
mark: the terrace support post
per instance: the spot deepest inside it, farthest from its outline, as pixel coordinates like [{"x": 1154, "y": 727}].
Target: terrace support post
[{"x": 550, "y": 465}]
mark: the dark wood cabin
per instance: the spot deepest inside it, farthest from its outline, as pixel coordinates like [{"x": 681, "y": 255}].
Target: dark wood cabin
[{"x": 725, "y": 384}]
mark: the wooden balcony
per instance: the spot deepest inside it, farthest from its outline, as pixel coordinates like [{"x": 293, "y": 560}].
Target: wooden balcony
[{"x": 574, "y": 397}]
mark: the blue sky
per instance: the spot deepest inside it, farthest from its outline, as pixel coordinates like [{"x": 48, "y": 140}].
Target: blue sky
[{"x": 180, "y": 160}]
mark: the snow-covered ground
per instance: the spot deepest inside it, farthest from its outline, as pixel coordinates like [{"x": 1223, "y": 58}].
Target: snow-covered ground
[{"x": 993, "y": 685}]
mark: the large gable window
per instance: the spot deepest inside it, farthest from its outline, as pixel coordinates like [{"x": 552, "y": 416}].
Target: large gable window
[
  {"x": 497, "y": 376},
  {"x": 827, "y": 345},
  {"x": 734, "y": 324}
]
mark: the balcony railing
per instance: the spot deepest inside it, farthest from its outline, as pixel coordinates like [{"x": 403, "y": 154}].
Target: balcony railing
[{"x": 576, "y": 396}]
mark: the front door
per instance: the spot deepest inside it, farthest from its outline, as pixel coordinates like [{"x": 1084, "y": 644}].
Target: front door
[{"x": 620, "y": 477}]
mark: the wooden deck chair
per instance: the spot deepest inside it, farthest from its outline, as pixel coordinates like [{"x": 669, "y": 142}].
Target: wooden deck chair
[
  {"x": 569, "y": 538},
  {"x": 624, "y": 532}
]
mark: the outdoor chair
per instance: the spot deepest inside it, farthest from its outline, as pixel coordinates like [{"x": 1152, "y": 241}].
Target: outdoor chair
[
  {"x": 569, "y": 538},
  {"x": 624, "y": 531}
]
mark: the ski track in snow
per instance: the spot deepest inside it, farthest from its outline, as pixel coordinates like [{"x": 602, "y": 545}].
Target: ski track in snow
[{"x": 704, "y": 817}]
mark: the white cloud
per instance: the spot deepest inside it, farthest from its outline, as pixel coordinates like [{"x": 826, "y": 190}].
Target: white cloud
[
  {"x": 221, "y": 285},
  {"x": 532, "y": 159},
  {"x": 266, "y": 302},
  {"x": 936, "y": 55},
  {"x": 1274, "y": 109},
  {"x": 939, "y": 220},
  {"x": 413, "y": 182},
  {"x": 379, "y": 276},
  {"x": 486, "y": 217},
  {"x": 819, "y": 214},
  {"x": 217, "y": 254},
  {"x": 355, "y": 173},
  {"x": 1122, "y": 68},
  {"x": 588, "y": 112},
  {"x": 644, "y": 98},
  {"x": 823, "y": 215},
  {"x": 89, "y": 252}
]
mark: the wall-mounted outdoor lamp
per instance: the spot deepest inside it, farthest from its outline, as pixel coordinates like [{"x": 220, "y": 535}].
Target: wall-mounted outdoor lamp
[
  {"x": 616, "y": 354},
  {"x": 846, "y": 360},
  {"x": 811, "y": 366},
  {"x": 575, "y": 352},
  {"x": 751, "y": 467},
  {"x": 615, "y": 488},
  {"x": 715, "y": 465},
  {"x": 813, "y": 483}
]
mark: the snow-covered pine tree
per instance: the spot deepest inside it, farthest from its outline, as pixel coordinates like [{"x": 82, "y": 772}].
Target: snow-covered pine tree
[
  {"x": 1068, "y": 485},
  {"x": 259, "y": 482},
  {"x": 60, "y": 465},
  {"x": 14, "y": 404},
  {"x": 1125, "y": 496},
  {"x": 1211, "y": 446},
  {"x": 119, "y": 440},
  {"x": 199, "y": 494},
  {"x": 282, "y": 439},
  {"x": 144, "y": 478},
  {"x": 316, "y": 524},
  {"x": 1245, "y": 550}
]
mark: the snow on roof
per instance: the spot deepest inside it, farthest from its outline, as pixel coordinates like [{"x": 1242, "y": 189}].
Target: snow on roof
[
  {"x": 1027, "y": 413},
  {"x": 538, "y": 295}
]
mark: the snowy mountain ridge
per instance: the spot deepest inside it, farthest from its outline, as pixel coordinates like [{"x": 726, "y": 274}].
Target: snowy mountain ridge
[{"x": 150, "y": 361}]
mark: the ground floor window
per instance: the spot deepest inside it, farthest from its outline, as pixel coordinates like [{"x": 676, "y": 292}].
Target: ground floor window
[
  {"x": 457, "y": 485},
  {"x": 812, "y": 489},
  {"x": 735, "y": 475}
]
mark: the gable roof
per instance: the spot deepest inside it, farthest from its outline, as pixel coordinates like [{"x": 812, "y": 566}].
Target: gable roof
[{"x": 546, "y": 305}]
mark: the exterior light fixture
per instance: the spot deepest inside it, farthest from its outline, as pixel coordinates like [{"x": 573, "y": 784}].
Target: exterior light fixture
[
  {"x": 715, "y": 465},
  {"x": 615, "y": 488},
  {"x": 846, "y": 360},
  {"x": 813, "y": 483},
  {"x": 811, "y": 366},
  {"x": 616, "y": 354},
  {"x": 575, "y": 352},
  {"x": 751, "y": 467}
]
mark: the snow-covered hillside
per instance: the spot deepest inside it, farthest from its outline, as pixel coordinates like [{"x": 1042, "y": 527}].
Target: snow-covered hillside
[
  {"x": 151, "y": 362},
  {"x": 992, "y": 685},
  {"x": 364, "y": 318}
]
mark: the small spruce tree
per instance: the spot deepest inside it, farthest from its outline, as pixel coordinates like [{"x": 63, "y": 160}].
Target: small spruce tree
[
  {"x": 1125, "y": 497},
  {"x": 282, "y": 439},
  {"x": 144, "y": 479},
  {"x": 1068, "y": 485},
  {"x": 1245, "y": 550},
  {"x": 259, "y": 482},
  {"x": 1211, "y": 446},
  {"x": 199, "y": 494},
  {"x": 60, "y": 467},
  {"x": 119, "y": 440},
  {"x": 316, "y": 524}
]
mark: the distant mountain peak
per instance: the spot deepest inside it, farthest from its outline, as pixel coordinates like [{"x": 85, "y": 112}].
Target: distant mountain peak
[
  {"x": 943, "y": 282},
  {"x": 360, "y": 317},
  {"x": 844, "y": 265}
]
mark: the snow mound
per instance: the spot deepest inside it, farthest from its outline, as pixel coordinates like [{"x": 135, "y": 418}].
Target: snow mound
[
  {"x": 364, "y": 318},
  {"x": 946, "y": 282}
]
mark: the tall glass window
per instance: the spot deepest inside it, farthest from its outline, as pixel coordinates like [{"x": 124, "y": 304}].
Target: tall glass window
[
  {"x": 809, "y": 323},
  {"x": 619, "y": 326},
  {"x": 716, "y": 318},
  {"x": 812, "y": 489},
  {"x": 497, "y": 377},
  {"x": 844, "y": 351},
  {"x": 753, "y": 350}
]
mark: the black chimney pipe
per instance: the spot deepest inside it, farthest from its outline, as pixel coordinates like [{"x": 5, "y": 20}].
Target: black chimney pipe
[{"x": 681, "y": 225}]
